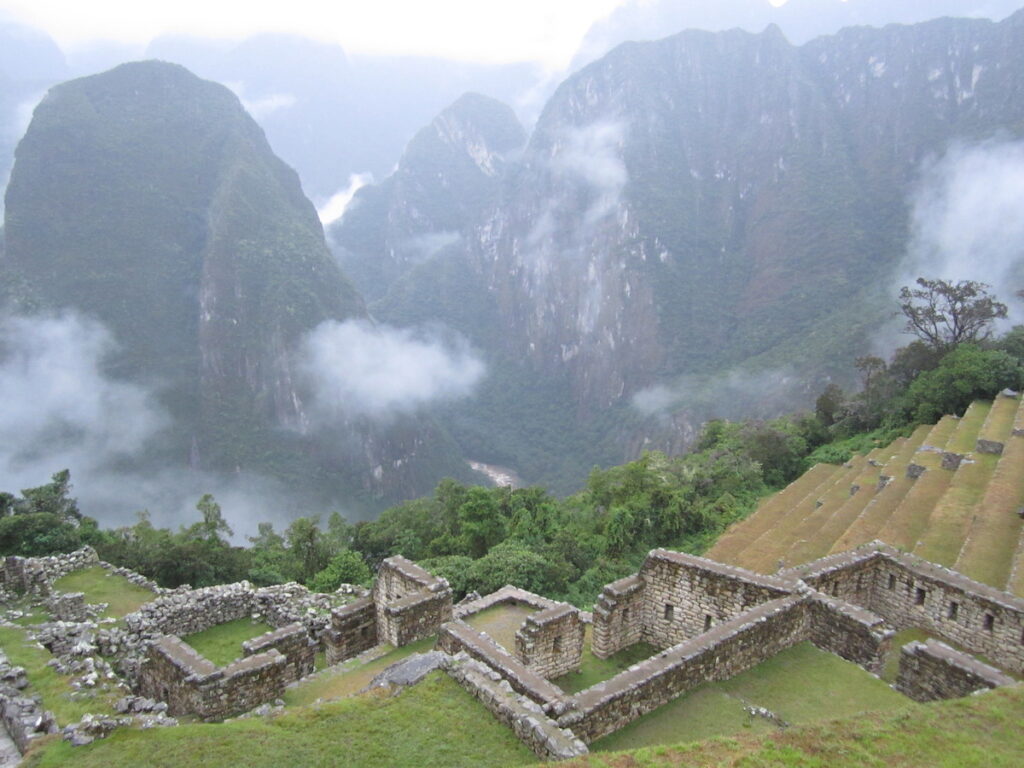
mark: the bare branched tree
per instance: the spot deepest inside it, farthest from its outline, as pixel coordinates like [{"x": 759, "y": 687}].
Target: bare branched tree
[{"x": 944, "y": 314}]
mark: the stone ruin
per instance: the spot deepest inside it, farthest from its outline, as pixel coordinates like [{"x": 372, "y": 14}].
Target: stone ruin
[{"x": 707, "y": 622}]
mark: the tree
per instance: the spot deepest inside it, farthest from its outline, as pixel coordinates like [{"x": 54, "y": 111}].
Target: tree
[
  {"x": 827, "y": 406},
  {"x": 347, "y": 567},
  {"x": 944, "y": 314},
  {"x": 213, "y": 523}
]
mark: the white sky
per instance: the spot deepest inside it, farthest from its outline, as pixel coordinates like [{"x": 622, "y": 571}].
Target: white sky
[{"x": 548, "y": 31}]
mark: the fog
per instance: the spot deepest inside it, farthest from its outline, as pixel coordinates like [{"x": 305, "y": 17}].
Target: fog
[
  {"x": 356, "y": 369},
  {"x": 62, "y": 411}
]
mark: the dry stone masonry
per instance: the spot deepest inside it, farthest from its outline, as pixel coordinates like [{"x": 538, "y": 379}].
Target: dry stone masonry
[{"x": 708, "y": 622}]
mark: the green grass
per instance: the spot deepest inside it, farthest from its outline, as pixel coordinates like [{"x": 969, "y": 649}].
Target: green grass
[
  {"x": 594, "y": 670},
  {"x": 67, "y": 705},
  {"x": 801, "y": 685},
  {"x": 974, "y": 732},
  {"x": 951, "y": 518},
  {"x": 432, "y": 725},
  {"x": 102, "y": 586},
  {"x": 350, "y": 677},
  {"x": 501, "y": 622},
  {"x": 222, "y": 644}
]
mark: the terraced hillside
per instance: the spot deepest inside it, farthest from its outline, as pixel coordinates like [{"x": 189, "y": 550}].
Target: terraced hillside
[{"x": 952, "y": 493}]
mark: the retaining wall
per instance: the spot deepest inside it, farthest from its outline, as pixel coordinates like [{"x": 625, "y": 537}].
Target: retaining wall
[{"x": 292, "y": 642}]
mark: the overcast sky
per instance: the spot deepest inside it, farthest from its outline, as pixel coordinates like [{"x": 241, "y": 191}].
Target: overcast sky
[{"x": 548, "y": 31}]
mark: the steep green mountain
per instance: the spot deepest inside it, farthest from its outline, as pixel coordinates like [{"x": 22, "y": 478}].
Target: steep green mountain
[
  {"x": 689, "y": 208},
  {"x": 147, "y": 198}
]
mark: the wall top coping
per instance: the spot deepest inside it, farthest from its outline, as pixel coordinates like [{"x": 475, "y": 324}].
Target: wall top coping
[
  {"x": 736, "y": 573},
  {"x": 184, "y": 656},
  {"x": 410, "y": 570},
  {"x": 255, "y": 662},
  {"x": 355, "y": 606},
  {"x": 552, "y": 614},
  {"x": 507, "y": 594},
  {"x": 928, "y": 570},
  {"x": 855, "y": 612},
  {"x": 505, "y": 663},
  {"x": 273, "y": 636},
  {"x": 940, "y": 650},
  {"x": 644, "y": 670},
  {"x": 624, "y": 586},
  {"x": 416, "y": 598},
  {"x": 837, "y": 562}
]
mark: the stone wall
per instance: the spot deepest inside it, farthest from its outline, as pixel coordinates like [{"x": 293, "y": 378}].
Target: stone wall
[
  {"x": 22, "y": 716},
  {"x": 550, "y": 642},
  {"x": 353, "y": 630},
  {"x": 617, "y": 616},
  {"x": 852, "y": 633},
  {"x": 722, "y": 652},
  {"x": 190, "y": 684},
  {"x": 458, "y": 637},
  {"x": 67, "y": 606},
  {"x": 507, "y": 595},
  {"x": 411, "y": 603},
  {"x": 913, "y": 593},
  {"x": 685, "y": 595},
  {"x": 413, "y": 617},
  {"x": 529, "y": 722},
  {"x": 931, "y": 671},
  {"x": 186, "y": 612},
  {"x": 37, "y": 574},
  {"x": 293, "y": 642}
]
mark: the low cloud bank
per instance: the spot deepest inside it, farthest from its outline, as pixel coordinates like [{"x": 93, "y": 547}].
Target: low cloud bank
[{"x": 356, "y": 369}]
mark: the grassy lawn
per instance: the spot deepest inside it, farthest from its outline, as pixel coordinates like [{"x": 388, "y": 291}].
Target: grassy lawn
[
  {"x": 801, "y": 685},
  {"x": 67, "y": 705},
  {"x": 102, "y": 586},
  {"x": 501, "y": 622},
  {"x": 222, "y": 644},
  {"x": 433, "y": 725},
  {"x": 977, "y": 731},
  {"x": 350, "y": 677},
  {"x": 594, "y": 670}
]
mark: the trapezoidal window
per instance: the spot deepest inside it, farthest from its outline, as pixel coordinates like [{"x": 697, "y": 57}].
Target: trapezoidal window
[
  {"x": 670, "y": 611},
  {"x": 954, "y": 610},
  {"x": 919, "y": 596},
  {"x": 707, "y": 622},
  {"x": 892, "y": 581},
  {"x": 625, "y": 615},
  {"x": 989, "y": 622},
  {"x": 556, "y": 645}
]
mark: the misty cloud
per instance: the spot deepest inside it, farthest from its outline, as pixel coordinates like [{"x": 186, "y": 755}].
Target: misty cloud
[
  {"x": 261, "y": 107},
  {"x": 60, "y": 410},
  {"x": 335, "y": 207},
  {"x": 592, "y": 155},
  {"x": 967, "y": 222},
  {"x": 422, "y": 247},
  {"x": 734, "y": 394},
  {"x": 358, "y": 369}
]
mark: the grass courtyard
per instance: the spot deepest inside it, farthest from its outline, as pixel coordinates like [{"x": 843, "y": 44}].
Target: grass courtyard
[
  {"x": 102, "y": 586},
  {"x": 222, "y": 643}
]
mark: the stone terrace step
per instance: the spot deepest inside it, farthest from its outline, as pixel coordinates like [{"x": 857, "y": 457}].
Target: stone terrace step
[
  {"x": 770, "y": 511},
  {"x": 819, "y": 542},
  {"x": 763, "y": 555},
  {"x": 988, "y": 550},
  {"x": 950, "y": 520},
  {"x": 908, "y": 521},
  {"x": 866, "y": 526}
]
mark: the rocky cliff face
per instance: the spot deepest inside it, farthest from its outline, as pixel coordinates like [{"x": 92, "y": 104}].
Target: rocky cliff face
[
  {"x": 706, "y": 201},
  {"x": 149, "y": 199}
]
